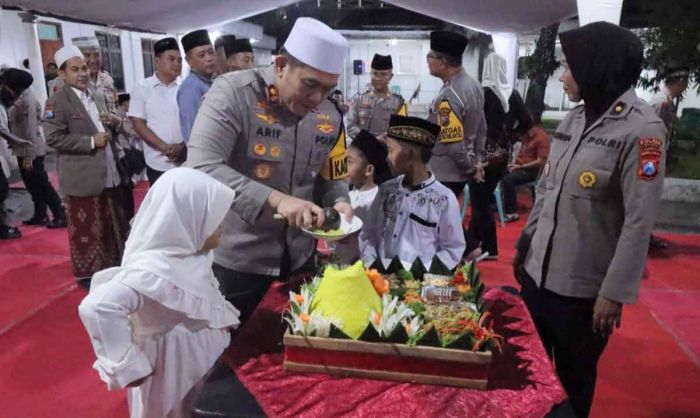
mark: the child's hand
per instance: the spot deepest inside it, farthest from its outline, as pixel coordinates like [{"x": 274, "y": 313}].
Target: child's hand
[{"x": 344, "y": 209}]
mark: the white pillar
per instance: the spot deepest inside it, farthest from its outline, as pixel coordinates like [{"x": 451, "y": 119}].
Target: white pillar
[
  {"x": 36, "y": 66},
  {"x": 599, "y": 11},
  {"x": 506, "y": 45}
]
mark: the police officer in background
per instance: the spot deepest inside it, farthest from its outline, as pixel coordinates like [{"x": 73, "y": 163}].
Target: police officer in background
[
  {"x": 459, "y": 109},
  {"x": 582, "y": 253},
  {"x": 220, "y": 52},
  {"x": 664, "y": 103},
  {"x": 371, "y": 109},
  {"x": 272, "y": 135}
]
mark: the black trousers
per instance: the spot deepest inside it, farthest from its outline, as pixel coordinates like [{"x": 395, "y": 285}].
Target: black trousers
[
  {"x": 246, "y": 290},
  {"x": 39, "y": 187},
  {"x": 4, "y": 192},
  {"x": 153, "y": 175},
  {"x": 565, "y": 327},
  {"x": 128, "y": 200},
  {"x": 457, "y": 187},
  {"x": 510, "y": 183},
  {"x": 482, "y": 226}
]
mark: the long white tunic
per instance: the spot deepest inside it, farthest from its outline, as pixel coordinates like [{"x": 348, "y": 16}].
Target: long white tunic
[
  {"x": 411, "y": 222},
  {"x": 135, "y": 336}
]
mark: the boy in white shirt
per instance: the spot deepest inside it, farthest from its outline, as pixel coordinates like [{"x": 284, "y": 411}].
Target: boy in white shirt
[
  {"x": 413, "y": 215},
  {"x": 367, "y": 169}
]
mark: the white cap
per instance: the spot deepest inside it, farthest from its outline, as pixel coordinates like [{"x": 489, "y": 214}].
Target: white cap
[
  {"x": 66, "y": 53},
  {"x": 86, "y": 42},
  {"x": 317, "y": 45}
]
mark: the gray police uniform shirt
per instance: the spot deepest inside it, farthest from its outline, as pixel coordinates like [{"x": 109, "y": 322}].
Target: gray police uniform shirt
[
  {"x": 243, "y": 138},
  {"x": 459, "y": 110},
  {"x": 371, "y": 112},
  {"x": 588, "y": 232},
  {"x": 25, "y": 122}
]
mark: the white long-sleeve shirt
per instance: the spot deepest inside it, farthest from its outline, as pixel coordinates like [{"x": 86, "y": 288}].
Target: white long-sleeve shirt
[
  {"x": 134, "y": 337},
  {"x": 410, "y": 222}
]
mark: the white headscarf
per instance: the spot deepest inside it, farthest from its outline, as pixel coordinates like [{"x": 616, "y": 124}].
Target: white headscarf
[
  {"x": 495, "y": 77},
  {"x": 180, "y": 212}
]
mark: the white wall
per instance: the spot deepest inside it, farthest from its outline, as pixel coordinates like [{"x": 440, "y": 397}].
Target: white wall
[{"x": 15, "y": 44}]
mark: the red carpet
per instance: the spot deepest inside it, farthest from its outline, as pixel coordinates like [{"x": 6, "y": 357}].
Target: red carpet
[{"x": 650, "y": 368}]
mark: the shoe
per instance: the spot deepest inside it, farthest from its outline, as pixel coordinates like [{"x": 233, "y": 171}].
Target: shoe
[
  {"x": 9, "y": 232},
  {"x": 35, "y": 220},
  {"x": 57, "y": 223},
  {"x": 511, "y": 217},
  {"x": 84, "y": 282},
  {"x": 491, "y": 257},
  {"x": 657, "y": 244}
]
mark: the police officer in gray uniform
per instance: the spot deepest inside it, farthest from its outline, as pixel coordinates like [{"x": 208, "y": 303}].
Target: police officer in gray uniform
[
  {"x": 459, "y": 109},
  {"x": 272, "y": 135},
  {"x": 372, "y": 109},
  {"x": 582, "y": 253}
]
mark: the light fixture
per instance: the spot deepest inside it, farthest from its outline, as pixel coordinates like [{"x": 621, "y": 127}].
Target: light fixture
[{"x": 214, "y": 35}]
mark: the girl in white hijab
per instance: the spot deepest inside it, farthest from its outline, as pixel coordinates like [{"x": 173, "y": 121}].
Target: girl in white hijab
[{"x": 158, "y": 322}]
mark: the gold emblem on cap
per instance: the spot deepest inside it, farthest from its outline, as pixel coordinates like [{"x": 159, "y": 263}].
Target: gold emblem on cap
[
  {"x": 275, "y": 151},
  {"x": 260, "y": 149},
  {"x": 263, "y": 171},
  {"x": 586, "y": 179}
]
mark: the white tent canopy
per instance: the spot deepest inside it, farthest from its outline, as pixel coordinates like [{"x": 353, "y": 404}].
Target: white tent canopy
[{"x": 179, "y": 16}]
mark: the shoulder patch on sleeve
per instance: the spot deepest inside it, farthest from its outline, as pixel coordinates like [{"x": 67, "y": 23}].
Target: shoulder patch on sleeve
[
  {"x": 650, "y": 151},
  {"x": 49, "y": 109},
  {"x": 336, "y": 166},
  {"x": 452, "y": 129}
]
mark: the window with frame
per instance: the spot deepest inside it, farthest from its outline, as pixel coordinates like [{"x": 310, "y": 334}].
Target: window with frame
[
  {"x": 149, "y": 57},
  {"x": 111, "y": 50}
]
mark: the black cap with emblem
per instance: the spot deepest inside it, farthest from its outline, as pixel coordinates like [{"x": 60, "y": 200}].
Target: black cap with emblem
[
  {"x": 448, "y": 43},
  {"x": 413, "y": 130},
  {"x": 382, "y": 62},
  {"x": 238, "y": 45},
  {"x": 194, "y": 39},
  {"x": 165, "y": 44}
]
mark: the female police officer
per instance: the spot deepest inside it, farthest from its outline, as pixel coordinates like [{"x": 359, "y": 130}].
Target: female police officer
[{"x": 581, "y": 254}]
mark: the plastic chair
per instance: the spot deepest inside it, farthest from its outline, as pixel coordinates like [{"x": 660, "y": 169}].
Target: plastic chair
[{"x": 499, "y": 203}]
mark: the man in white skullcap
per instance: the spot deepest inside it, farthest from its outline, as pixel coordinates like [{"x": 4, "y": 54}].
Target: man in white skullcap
[
  {"x": 100, "y": 81},
  {"x": 272, "y": 135},
  {"x": 78, "y": 125}
]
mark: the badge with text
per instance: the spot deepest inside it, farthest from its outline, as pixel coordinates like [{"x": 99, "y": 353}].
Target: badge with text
[
  {"x": 650, "y": 150},
  {"x": 452, "y": 130},
  {"x": 263, "y": 171},
  {"x": 586, "y": 179}
]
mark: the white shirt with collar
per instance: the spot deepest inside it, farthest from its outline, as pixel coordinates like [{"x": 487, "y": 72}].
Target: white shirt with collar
[
  {"x": 411, "y": 222},
  {"x": 156, "y": 103},
  {"x": 113, "y": 178}
]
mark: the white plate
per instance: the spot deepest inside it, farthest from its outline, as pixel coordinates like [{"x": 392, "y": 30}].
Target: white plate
[{"x": 348, "y": 229}]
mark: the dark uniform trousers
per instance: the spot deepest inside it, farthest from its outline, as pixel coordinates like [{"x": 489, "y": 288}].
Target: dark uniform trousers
[
  {"x": 39, "y": 187},
  {"x": 4, "y": 191},
  {"x": 153, "y": 175},
  {"x": 246, "y": 290},
  {"x": 565, "y": 325},
  {"x": 482, "y": 226}
]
